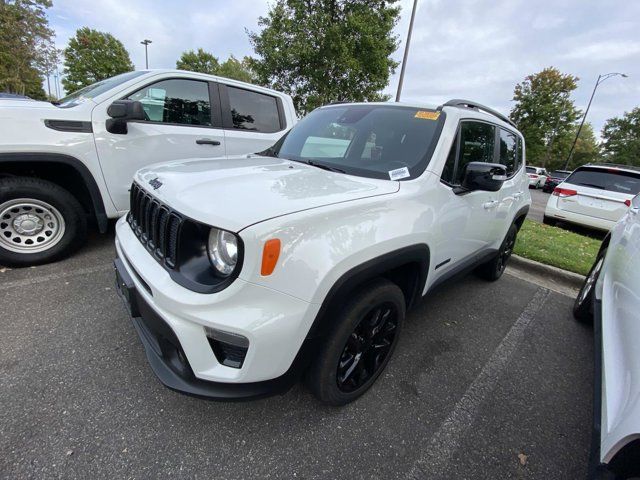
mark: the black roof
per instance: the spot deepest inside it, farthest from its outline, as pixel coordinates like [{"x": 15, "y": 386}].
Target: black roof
[{"x": 635, "y": 168}]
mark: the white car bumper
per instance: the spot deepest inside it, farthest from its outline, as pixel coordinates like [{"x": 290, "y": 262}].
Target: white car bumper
[
  {"x": 552, "y": 211},
  {"x": 271, "y": 322}
]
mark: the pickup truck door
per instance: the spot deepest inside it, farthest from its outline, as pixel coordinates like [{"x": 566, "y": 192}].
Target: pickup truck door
[{"x": 184, "y": 121}]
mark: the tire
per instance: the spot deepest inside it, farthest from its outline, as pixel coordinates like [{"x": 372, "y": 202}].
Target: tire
[
  {"x": 374, "y": 314},
  {"x": 493, "y": 269},
  {"x": 549, "y": 221},
  {"x": 39, "y": 222},
  {"x": 583, "y": 304}
]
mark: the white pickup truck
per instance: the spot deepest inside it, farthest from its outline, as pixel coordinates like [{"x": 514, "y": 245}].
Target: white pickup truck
[{"x": 64, "y": 164}]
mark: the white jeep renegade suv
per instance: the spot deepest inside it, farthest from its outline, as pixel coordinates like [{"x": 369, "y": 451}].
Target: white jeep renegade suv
[{"x": 243, "y": 273}]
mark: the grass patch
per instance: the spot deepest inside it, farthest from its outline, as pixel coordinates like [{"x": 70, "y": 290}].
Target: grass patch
[{"x": 557, "y": 247}]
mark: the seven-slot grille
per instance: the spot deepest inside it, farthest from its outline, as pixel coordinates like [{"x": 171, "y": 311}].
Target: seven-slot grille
[{"x": 155, "y": 225}]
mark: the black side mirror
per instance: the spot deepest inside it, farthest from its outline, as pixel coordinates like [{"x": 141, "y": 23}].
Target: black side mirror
[
  {"x": 488, "y": 177},
  {"x": 121, "y": 112}
]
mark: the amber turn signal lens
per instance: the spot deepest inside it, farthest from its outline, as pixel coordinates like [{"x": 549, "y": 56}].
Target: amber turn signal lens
[{"x": 270, "y": 255}]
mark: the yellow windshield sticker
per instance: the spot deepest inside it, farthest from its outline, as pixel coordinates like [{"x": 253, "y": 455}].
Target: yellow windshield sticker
[{"x": 427, "y": 115}]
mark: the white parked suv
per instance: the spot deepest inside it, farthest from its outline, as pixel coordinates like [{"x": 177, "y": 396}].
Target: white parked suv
[
  {"x": 611, "y": 294},
  {"x": 64, "y": 164},
  {"x": 537, "y": 176},
  {"x": 242, "y": 274},
  {"x": 594, "y": 196}
]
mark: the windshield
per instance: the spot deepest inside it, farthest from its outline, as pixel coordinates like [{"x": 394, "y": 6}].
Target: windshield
[
  {"x": 611, "y": 180},
  {"x": 376, "y": 141},
  {"x": 531, "y": 170},
  {"x": 97, "y": 88}
]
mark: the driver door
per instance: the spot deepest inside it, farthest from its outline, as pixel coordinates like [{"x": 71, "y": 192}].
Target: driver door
[
  {"x": 183, "y": 121},
  {"x": 466, "y": 218}
]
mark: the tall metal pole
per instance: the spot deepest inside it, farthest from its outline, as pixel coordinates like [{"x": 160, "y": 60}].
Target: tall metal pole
[
  {"x": 601, "y": 78},
  {"x": 146, "y": 42},
  {"x": 406, "y": 51}
]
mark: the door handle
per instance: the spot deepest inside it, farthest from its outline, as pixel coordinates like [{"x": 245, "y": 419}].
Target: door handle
[
  {"x": 206, "y": 141},
  {"x": 490, "y": 205}
]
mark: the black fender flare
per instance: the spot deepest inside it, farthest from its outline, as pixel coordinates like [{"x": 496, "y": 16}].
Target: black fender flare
[
  {"x": 339, "y": 292},
  {"x": 85, "y": 174},
  {"x": 521, "y": 214}
]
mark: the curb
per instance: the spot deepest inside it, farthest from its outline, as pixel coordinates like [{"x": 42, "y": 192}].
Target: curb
[{"x": 562, "y": 276}]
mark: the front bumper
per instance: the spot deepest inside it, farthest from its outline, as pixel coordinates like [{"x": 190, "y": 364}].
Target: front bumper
[{"x": 172, "y": 323}]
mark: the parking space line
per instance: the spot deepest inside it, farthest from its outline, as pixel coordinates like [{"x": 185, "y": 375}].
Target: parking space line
[
  {"x": 55, "y": 276},
  {"x": 451, "y": 432}
]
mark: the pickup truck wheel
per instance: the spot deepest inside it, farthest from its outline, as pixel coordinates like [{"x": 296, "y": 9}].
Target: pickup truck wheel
[
  {"x": 583, "y": 305},
  {"x": 361, "y": 344},
  {"x": 494, "y": 269},
  {"x": 39, "y": 222}
]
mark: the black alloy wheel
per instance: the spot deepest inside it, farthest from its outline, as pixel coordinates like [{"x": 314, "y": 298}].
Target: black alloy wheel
[
  {"x": 365, "y": 331},
  {"x": 367, "y": 347},
  {"x": 494, "y": 268}
]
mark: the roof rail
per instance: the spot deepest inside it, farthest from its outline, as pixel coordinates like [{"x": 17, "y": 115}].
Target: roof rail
[{"x": 458, "y": 102}]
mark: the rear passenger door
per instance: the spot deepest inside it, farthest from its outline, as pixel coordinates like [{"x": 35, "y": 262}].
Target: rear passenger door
[
  {"x": 253, "y": 121},
  {"x": 467, "y": 218},
  {"x": 512, "y": 194}
]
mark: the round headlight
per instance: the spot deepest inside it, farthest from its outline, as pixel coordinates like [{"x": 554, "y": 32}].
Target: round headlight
[{"x": 223, "y": 251}]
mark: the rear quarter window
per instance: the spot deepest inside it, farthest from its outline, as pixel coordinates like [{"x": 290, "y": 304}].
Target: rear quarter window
[{"x": 610, "y": 180}]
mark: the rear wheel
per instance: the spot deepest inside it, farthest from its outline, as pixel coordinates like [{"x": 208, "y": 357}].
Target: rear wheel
[
  {"x": 493, "y": 269},
  {"x": 583, "y": 305},
  {"x": 39, "y": 222},
  {"x": 360, "y": 345}
]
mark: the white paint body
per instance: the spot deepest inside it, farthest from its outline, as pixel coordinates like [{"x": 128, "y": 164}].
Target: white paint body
[
  {"x": 618, "y": 288},
  {"x": 328, "y": 223},
  {"x": 590, "y": 207},
  {"x": 112, "y": 159},
  {"x": 538, "y": 178}
]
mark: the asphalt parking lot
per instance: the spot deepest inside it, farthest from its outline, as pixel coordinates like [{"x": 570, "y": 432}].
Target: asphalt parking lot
[
  {"x": 539, "y": 201},
  {"x": 489, "y": 381}
]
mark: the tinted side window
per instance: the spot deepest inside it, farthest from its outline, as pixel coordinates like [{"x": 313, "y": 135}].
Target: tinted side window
[
  {"x": 176, "y": 101},
  {"x": 477, "y": 142},
  {"x": 253, "y": 111},
  {"x": 508, "y": 151}
]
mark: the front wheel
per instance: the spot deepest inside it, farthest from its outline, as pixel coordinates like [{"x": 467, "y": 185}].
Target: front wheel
[
  {"x": 583, "y": 305},
  {"x": 360, "y": 345},
  {"x": 493, "y": 269},
  {"x": 39, "y": 222}
]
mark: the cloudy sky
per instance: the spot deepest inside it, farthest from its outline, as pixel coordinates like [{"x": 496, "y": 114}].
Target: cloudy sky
[{"x": 460, "y": 48}]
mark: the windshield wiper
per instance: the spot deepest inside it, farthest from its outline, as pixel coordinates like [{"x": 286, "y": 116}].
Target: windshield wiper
[{"x": 324, "y": 167}]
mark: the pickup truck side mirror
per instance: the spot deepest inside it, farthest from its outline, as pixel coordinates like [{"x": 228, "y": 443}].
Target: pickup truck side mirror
[
  {"x": 488, "y": 177},
  {"x": 121, "y": 112}
]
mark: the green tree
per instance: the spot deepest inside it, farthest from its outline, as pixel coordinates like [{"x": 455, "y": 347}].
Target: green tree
[
  {"x": 26, "y": 45},
  {"x": 237, "y": 69},
  {"x": 621, "y": 138},
  {"x": 321, "y": 51},
  {"x": 200, "y": 61},
  {"x": 92, "y": 56},
  {"x": 586, "y": 150},
  {"x": 545, "y": 113}
]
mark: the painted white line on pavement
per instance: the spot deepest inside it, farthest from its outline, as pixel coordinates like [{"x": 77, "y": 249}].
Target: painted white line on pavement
[
  {"x": 55, "y": 276},
  {"x": 447, "y": 439}
]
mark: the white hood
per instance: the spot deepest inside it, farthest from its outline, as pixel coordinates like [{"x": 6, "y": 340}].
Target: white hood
[{"x": 240, "y": 191}]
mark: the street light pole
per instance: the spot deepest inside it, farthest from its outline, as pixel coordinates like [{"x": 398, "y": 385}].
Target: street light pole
[
  {"x": 146, "y": 42},
  {"x": 601, "y": 78},
  {"x": 406, "y": 51}
]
